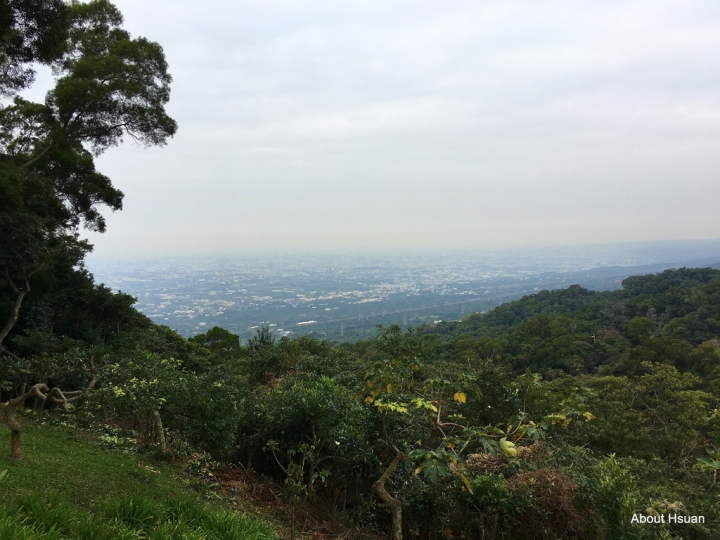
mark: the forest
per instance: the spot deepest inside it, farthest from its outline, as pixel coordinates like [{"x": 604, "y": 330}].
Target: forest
[{"x": 566, "y": 414}]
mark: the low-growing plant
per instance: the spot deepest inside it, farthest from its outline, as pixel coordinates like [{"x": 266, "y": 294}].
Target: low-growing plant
[
  {"x": 46, "y": 512},
  {"x": 135, "y": 512},
  {"x": 123, "y": 445}
]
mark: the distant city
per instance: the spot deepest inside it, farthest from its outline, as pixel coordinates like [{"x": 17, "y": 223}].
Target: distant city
[{"x": 343, "y": 297}]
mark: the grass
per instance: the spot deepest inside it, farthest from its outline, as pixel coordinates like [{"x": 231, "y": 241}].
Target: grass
[
  {"x": 67, "y": 486},
  {"x": 48, "y": 516},
  {"x": 70, "y": 462}
]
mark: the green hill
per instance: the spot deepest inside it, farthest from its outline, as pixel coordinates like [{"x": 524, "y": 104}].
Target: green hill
[{"x": 68, "y": 486}]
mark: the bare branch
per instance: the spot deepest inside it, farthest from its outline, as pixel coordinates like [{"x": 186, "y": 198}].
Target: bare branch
[
  {"x": 446, "y": 424},
  {"x": 38, "y": 157},
  {"x": 3, "y": 350},
  {"x": 10, "y": 410},
  {"x": 96, "y": 374},
  {"x": 6, "y": 275},
  {"x": 19, "y": 295}
]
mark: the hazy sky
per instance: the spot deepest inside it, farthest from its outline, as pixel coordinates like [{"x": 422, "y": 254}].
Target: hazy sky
[{"x": 414, "y": 123}]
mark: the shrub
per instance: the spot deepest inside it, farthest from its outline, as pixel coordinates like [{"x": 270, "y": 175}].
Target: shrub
[{"x": 550, "y": 513}]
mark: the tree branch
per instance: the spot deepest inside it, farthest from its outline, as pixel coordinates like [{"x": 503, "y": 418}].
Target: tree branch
[
  {"x": 32, "y": 272},
  {"x": 19, "y": 295},
  {"x": 446, "y": 424},
  {"x": 6, "y": 274},
  {"x": 383, "y": 428},
  {"x": 391, "y": 502},
  {"x": 10, "y": 410},
  {"x": 3, "y": 350},
  {"x": 96, "y": 374},
  {"x": 38, "y": 157}
]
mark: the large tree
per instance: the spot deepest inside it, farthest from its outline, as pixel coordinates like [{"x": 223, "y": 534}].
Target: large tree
[
  {"x": 108, "y": 85},
  {"x": 30, "y": 31}
]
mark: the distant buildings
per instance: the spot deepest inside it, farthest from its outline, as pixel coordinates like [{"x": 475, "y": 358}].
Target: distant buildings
[{"x": 279, "y": 332}]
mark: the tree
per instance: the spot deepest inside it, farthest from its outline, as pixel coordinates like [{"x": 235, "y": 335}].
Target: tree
[
  {"x": 656, "y": 414},
  {"x": 137, "y": 385},
  {"x": 108, "y": 85},
  {"x": 30, "y": 31},
  {"x": 639, "y": 329},
  {"x": 42, "y": 392},
  {"x": 421, "y": 398},
  {"x": 219, "y": 341}
]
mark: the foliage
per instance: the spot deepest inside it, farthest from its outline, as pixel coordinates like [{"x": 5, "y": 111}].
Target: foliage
[
  {"x": 440, "y": 424},
  {"x": 139, "y": 383},
  {"x": 559, "y": 415},
  {"x": 311, "y": 418},
  {"x": 107, "y": 85}
]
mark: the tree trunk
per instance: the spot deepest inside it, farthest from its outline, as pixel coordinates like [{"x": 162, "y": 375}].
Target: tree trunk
[
  {"x": 15, "y": 430},
  {"x": 425, "y": 531},
  {"x": 292, "y": 523},
  {"x": 138, "y": 428},
  {"x": 43, "y": 393},
  {"x": 391, "y": 502},
  {"x": 12, "y": 420},
  {"x": 160, "y": 431},
  {"x": 39, "y": 407},
  {"x": 19, "y": 295},
  {"x": 14, "y": 425},
  {"x": 14, "y": 314}
]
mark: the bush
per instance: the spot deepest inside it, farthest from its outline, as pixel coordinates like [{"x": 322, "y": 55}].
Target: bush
[{"x": 550, "y": 513}]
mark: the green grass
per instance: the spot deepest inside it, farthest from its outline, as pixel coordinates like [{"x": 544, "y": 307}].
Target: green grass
[
  {"x": 49, "y": 517},
  {"x": 66, "y": 486},
  {"x": 70, "y": 462}
]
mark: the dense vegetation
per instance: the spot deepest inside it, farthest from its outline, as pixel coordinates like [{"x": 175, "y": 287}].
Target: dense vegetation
[
  {"x": 556, "y": 416},
  {"x": 561, "y": 415}
]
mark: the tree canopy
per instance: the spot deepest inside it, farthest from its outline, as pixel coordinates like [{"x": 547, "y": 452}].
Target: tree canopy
[{"x": 108, "y": 86}]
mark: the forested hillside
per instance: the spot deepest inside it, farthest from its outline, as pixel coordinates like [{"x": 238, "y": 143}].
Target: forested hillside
[
  {"x": 560, "y": 415},
  {"x": 577, "y": 331}
]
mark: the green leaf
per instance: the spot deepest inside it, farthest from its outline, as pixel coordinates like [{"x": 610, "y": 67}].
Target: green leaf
[
  {"x": 708, "y": 463},
  {"x": 415, "y": 454},
  {"x": 507, "y": 447},
  {"x": 434, "y": 469}
]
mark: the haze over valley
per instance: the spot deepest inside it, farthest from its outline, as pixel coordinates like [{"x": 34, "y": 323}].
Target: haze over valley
[{"x": 344, "y": 296}]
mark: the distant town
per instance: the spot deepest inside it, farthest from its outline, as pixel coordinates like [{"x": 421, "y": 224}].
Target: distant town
[{"x": 344, "y": 297}]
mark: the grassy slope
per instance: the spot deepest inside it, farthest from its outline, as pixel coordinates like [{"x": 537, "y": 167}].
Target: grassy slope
[
  {"x": 67, "y": 461},
  {"x": 69, "y": 466}
]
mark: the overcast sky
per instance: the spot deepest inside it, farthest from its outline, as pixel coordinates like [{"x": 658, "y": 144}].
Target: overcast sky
[{"x": 413, "y": 123}]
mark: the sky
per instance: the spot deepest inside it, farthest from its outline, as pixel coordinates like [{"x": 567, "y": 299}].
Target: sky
[{"x": 410, "y": 124}]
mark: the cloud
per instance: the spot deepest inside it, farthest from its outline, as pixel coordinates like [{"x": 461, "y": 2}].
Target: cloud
[{"x": 398, "y": 123}]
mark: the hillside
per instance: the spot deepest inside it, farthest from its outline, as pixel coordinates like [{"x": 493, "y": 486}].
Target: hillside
[
  {"x": 654, "y": 317},
  {"x": 75, "y": 484},
  {"x": 561, "y": 415}
]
